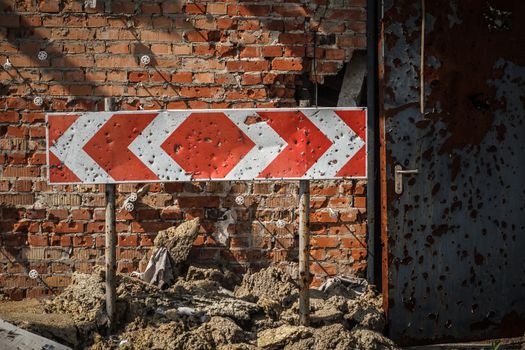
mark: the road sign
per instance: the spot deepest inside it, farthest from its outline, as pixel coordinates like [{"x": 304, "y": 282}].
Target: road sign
[{"x": 196, "y": 145}]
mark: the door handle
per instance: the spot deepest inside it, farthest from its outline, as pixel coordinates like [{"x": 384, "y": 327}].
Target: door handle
[{"x": 398, "y": 177}]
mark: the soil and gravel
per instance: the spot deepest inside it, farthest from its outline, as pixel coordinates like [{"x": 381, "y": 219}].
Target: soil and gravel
[{"x": 206, "y": 308}]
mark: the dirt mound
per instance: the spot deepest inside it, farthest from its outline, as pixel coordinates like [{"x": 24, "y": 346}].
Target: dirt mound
[
  {"x": 367, "y": 310},
  {"x": 367, "y": 339},
  {"x": 83, "y": 299},
  {"x": 271, "y": 283},
  {"x": 201, "y": 311}
]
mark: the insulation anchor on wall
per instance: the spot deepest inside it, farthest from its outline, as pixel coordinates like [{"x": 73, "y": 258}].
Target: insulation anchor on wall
[{"x": 129, "y": 202}]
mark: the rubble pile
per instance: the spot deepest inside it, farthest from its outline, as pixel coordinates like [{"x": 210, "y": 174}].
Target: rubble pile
[
  {"x": 205, "y": 310},
  {"x": 175, "y": 306}
]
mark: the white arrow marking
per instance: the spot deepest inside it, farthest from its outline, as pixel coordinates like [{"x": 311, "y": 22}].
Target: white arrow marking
[
  {"x": 69, "y": 148},
  {"x": 147, "y": 146},
  {"x": 345, "y": 143},
  {"x": 268, "y": 144}
]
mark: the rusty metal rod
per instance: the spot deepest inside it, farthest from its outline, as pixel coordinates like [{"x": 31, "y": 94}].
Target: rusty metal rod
[
  {"x": 111, "y": 250},
  {"x": 304, "y": 250},
  {"x": 373, "y": 200}
]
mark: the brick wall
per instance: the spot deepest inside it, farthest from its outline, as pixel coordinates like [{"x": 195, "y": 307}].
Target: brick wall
[{"x": 205, "y": 54}]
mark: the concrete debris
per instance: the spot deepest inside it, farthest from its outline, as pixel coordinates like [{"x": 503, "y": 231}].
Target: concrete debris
[
  {"x": 366, "y": 311},
  {"x": 236, "y": 309},
  {"x": 172, "y": 247},
  {"x": 279, "y": 337},
  {"x": 271, "y": 283},
  {"x": 367, "y": 339},
  {"x": 178, "y": 241},
  {"x": 201, "y": 310},
  {"x": 84, "y": 299},
  {"x": 225, "y": 278},
  {"x": 333, "y": 337},
  {"x": 207, "y": 308}
]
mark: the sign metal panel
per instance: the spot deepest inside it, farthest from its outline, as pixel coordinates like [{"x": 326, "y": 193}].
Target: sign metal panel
[{"x": 198, "y": 145}]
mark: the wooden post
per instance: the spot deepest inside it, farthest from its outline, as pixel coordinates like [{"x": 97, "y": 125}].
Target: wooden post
[
  {"x": 111, "y": 250},
  {"x": 304, "y": 252}
]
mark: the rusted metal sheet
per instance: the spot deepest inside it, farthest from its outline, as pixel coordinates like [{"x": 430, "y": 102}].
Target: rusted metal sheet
[
  {"x": 455, "y": 235},
  {"x": 186, "y": 145}
]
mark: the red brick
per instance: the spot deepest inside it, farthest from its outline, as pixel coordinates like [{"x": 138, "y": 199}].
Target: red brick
[
  {"x": 253, "y": 10},
  {"x": 287, "y": 64},
  {"x": 38, "y": 240},
  {"x": 128, "y": 240},
  {"x": 81, "y": 214},
  {"x": 50, "y": 6},
  {"x": 172, "y": 6},
  {"x": 271, "y": 51},
  {"x": 352, "y": 242},
  {"x": 323, "y": 216},
  {"x": 135, "y": 77},
  {"x": 291, "y": 10},
  {"x": 150, "y": 8},
  {"x": 83, "y": 241},
  {"x": 217, "y": 8},
  {"x": 195, "y": 9},
  {"x": 149, "y": 226},
  {"x": 8, "y": 117},
  {"x": 95, "y": 227},
  {"x": 69, "y": 227},
  {"x": 360, "y": 202},
  {"x": 58, "y": 214},
  {"x": 349, "y": 215},
  {"x": 38, "y": 159},
  {"x": 287, "y": 38}
]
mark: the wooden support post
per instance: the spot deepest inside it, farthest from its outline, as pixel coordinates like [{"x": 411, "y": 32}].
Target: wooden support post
[
  {"x": 304, "y": 252},
  {"x": 111, "y": 246}
]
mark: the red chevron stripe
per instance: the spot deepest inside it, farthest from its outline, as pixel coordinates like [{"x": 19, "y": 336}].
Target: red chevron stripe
[
  {"x": 356, "y": 166},
  {"x": 109, "y": 147},
  {"x": 306, "y": 143},
  {"x": 58, "y": 172},
  {"x": 208, "y": 145}
]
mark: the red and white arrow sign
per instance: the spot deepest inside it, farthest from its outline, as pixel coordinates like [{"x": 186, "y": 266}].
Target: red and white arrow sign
[{"x": 186, "y": 145}]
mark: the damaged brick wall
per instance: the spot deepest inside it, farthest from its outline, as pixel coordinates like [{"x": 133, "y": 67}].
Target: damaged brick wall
[{"x": 204, "y": 54}]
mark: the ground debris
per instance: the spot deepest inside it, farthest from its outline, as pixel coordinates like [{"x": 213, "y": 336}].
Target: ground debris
[
  {"x": 172, "y": 247},
  {"x": 203, "y": 310},
  {"x": 366, "y": 339},
  {"x": 277, "y": 338},
  {"x": 83, "y": 299},
  {"x": 271, "y": 283},
  {"x": 367, "y": 311},
  {"x": 178, "y": 240}
]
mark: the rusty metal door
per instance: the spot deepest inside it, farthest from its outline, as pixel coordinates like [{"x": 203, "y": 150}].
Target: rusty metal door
[{"x": 454, "y": 234}]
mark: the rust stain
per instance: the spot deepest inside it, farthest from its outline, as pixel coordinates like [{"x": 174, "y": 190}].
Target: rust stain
[{"x": 460, "y": 85}]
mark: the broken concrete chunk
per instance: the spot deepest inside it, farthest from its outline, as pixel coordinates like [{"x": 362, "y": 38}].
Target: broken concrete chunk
[
  {"x": 333, "y": 337},
  {"x": 226, "y": 278},
  {"x": 234, "y": 308},
  {"x": 367, "y": 311},
  {"x": 276, "y": 338},
  {"x": 198, "y": 313},
  {"x": 223, "y": 330},
  {"x": 83, "y": 299},
  {"x": 178, "y": 240},
  {"x": 271, "y": 283},
  {"x": 366, "y": 339}
]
